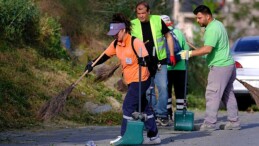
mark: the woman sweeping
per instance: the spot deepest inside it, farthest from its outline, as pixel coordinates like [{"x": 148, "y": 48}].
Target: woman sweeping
[{"x": 123, "y": 47}]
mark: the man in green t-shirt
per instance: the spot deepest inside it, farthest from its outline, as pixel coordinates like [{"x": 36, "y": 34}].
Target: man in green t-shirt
[{"x": 222, "y": 71}]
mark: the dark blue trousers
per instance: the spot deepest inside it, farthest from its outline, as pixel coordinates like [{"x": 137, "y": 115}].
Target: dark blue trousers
[{"x": 131, "y": 104}]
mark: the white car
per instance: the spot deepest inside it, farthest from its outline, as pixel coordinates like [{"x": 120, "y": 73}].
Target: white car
[{"x": 245, "y": 52}]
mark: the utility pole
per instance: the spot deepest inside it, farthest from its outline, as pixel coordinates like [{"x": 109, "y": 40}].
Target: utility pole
[{"x": 176, "y": 10}]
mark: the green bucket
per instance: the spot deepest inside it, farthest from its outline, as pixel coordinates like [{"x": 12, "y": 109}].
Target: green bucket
[
  {"x": 183, "y": 120},
  {"x": 133, "y": 134}
]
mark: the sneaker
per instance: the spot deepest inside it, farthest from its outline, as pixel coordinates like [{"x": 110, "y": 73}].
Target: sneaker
[
  {"x": 162, "y": 122},
  {"x": 207, "y": 127},
  {"x": 230, "y": 126},
  {"x": 152, "y": 140},
  {"x": 115, "y": 140}
]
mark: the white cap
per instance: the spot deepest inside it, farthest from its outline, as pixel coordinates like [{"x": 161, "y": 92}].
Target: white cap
[{"x": 167, "y": 20}]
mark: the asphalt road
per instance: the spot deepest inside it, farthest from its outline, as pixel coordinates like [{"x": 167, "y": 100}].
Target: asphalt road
[{"x": 101, "y": 135}]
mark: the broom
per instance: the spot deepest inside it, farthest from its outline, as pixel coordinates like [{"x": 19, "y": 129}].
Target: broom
[
  {"x": 55, "y": 104},
  {"x": 254, "y": 92},
  {"x": 104, "y": 74}
]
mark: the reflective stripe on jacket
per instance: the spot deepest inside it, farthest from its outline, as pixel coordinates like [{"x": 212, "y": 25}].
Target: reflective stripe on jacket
[{"x": 156, "y": 28}]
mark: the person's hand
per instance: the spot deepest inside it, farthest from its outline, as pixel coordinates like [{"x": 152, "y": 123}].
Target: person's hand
[
  {"x": 184, "y": 54},
  {"x": 89, "y": 67},
  {"x": 141, "y": 61},
  {"x": 172, "y": 60}
]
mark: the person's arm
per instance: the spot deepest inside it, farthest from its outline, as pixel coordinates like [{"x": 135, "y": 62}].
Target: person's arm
[
  {"x": 109, "y": 52},
  {"x": 197, "y": 52},
  {"x": 170, "y": 42},
  {"x": 202, "y": 51},
  {"x": 89, "y": 66},
  {"x": 145, "y": 60},
  {"x": 102, "y": 59}
]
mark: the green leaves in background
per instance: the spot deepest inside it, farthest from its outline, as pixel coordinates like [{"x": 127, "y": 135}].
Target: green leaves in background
[{"x": 18, "y": 21}]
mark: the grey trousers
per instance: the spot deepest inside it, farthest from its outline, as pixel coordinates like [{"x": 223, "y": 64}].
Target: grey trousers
[{"x": 220, "y": 88}]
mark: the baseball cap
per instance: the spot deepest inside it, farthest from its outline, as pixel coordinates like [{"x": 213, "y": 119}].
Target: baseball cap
[
  {"x": 115, "y": 28},
  {"x": 167, "y": 20}
]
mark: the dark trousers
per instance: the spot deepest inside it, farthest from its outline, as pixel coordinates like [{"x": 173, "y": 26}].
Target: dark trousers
[
  {"x": 131, "y": 104},
  {"x": 176, "y": 78}
]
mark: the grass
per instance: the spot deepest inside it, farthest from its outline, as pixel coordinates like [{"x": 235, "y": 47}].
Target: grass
[
  {"x": 27, "y": 80},
  {"x": 106, "y": 118}
]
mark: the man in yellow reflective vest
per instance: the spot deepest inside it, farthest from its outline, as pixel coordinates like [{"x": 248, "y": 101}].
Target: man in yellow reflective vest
[{"x": 152, "y": 30}]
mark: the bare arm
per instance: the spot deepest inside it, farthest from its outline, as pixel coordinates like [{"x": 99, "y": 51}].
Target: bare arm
[
  {"x": 202, "y": 51},
  {"x": 170, "y": 43}
]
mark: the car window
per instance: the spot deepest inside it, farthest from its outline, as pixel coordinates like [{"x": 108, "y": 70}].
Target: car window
[{"x": 247, "y": 46}]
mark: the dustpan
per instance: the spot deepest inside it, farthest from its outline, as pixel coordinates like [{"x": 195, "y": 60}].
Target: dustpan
[
  {"x": 134, "y": 129},
  {"x": 183, "y": 119},
  {"x": 133, "y": 134}
]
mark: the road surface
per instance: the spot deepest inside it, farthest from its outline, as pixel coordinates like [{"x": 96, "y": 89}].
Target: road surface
[{"x": 101, "y": 135}]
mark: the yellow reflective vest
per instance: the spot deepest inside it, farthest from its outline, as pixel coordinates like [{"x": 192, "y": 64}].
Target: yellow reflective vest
[{"x": 156, "y": 28}]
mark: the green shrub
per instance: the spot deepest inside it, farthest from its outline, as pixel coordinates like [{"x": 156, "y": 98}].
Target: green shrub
[
  {"x": 4, "y": 46},
  {"x": 19, "y": 21},
  {"x": 196, "y": 102},
  {"x": 254, "y": 108},
  {"x": 50, "y": 38}
]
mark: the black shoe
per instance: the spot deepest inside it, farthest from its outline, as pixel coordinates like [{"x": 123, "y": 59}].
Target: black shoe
[{"x": 162, "y": 121}]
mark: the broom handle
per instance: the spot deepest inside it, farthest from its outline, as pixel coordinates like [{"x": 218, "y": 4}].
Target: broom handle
[
  {"x": 186, "y": 76},
  {"x": 191, "y": 45},
  {"x": 140, "y": 55},
  {"x": 74, "y": 84},
  {"x": 139, "y": 106},
  {"x": 239, "y": 80}
]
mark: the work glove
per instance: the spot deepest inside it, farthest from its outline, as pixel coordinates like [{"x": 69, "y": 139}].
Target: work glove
[
  {"x": 139, "y": 116},
  {"x": 135, "y": 115},
  {"x": 184, "y": 54},
  {"x": 141, "y": 61},
  {"x": 89, "y": 66},
  {"x": 172, "y": 60}
]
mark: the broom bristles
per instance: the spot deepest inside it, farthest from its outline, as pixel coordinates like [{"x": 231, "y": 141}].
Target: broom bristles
[
  {"x": 55, "y": 105},
  {"x": 105, "y": 73},
  {"x": 254, "y": 92}
]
